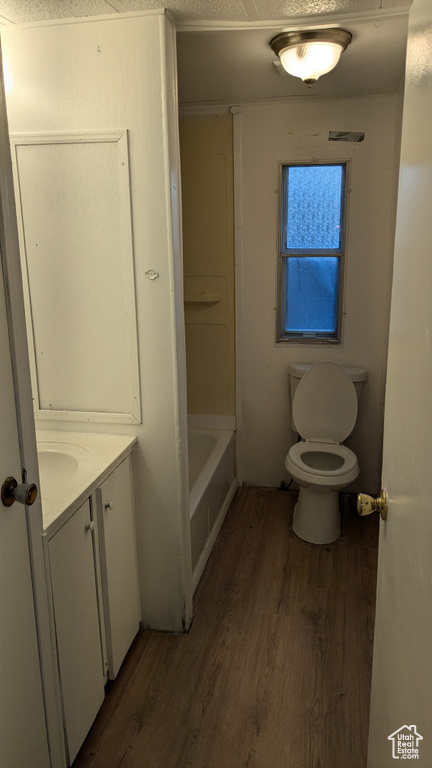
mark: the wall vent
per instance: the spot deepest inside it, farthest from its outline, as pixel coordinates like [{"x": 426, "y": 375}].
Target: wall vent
[{"x": 345, "y": 136}]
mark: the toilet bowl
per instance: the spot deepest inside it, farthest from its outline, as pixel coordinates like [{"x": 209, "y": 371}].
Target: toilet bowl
[{"x": 324, "y": 411}]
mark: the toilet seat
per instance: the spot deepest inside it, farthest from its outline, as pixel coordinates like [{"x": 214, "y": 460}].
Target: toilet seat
[
  {"x": 325, "y": 404},
  {"x": 315, "y": 465}
]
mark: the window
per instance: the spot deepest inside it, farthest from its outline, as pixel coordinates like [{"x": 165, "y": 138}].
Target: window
[{"x": 311, "y": 252}]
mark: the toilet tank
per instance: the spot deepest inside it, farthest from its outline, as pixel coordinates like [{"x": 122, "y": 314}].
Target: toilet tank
[{"x": 297, "y": 370}]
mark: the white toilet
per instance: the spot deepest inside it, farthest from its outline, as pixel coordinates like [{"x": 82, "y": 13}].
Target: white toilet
[{"x": 324, "y": 412}]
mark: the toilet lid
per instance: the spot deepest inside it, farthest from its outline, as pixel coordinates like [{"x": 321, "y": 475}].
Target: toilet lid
[{"x": 325, "y": 404}]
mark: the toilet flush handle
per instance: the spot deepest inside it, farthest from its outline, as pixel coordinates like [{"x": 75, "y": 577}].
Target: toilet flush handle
[{"x": 368, "y": 504}]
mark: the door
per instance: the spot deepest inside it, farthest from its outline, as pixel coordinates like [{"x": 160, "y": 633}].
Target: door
[
  {"x": 76, "y": 612},
  {"x": 23, "y": 740},
  {"x": 118, "y": 563},
  {"x": 23, "y": 730},
  {"x": 401, "y": 703}
]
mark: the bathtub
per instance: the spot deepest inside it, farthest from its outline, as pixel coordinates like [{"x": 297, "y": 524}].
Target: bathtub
[{"x": 212, "y": 484}]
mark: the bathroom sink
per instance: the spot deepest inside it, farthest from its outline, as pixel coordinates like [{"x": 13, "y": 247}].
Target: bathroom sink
[{"x": 59, "y": 464}]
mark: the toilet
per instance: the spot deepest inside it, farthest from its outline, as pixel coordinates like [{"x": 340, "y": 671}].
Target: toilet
[{"x": 324, "y": 412}]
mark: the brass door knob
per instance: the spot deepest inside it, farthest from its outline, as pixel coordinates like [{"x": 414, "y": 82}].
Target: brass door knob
[
  {"x": 24, "y": 494},
  {"x": 368, "y": 504}
]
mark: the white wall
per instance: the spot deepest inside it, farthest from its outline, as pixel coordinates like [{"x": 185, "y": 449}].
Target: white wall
[
  {"x": 267, "y": 135},
  {"x": 110, "y": 74},
  {"x": 208, "y": 248}
]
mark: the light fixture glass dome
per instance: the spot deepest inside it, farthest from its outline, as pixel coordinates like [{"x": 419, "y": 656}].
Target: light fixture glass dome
[
  {"x": 310, "y": 60},
  {"x": 311, "y": 53}
]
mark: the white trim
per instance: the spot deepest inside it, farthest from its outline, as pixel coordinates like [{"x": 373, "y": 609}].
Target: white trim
[
  {"x": 195, "y": 108},
  {"x": 91, "y": 417},
  {"x": 69, "y": 137},
  {"x": 200, "y": 107},
  {"x": 172, "y": 172},
  {"x": 203, "y": 25},
  {"x": 238, "y": 256},
  {"x": 205, "y": 554},
  {"x": 92, "y": 19}
]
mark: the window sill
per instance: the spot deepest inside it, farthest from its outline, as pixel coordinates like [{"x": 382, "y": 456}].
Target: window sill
[{"x": 308, "y": 342}]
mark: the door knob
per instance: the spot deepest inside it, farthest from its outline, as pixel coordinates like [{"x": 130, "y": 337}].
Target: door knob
[
  {"x": 25, "y": 493},
  {"x": 368, "y": 504}
]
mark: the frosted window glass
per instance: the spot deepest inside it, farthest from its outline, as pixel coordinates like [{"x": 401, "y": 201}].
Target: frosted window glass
[
  {"x": 314, "y": 207},
  {"x": 312, "y": 291}
]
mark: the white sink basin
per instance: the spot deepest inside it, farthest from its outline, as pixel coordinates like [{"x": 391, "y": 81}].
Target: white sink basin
[
  {"x": 59, "y": 463},
  {"x": 71, "y": 466}
]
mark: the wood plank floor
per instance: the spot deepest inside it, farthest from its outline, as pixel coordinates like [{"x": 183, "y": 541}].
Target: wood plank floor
[{"x": 275, "y": 671}]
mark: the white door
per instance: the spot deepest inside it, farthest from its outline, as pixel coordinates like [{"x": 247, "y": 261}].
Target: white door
[
  {"x": 402, "y": 663},
  {"x": 23, "y": 730},
  {"x": 72, "y": 570},
  {"x": 119, "y": 566},
  {"x": 23, "y": 740}
]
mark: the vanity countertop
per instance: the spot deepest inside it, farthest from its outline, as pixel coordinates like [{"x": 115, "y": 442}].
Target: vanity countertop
[{"x": 71, "y": 466}]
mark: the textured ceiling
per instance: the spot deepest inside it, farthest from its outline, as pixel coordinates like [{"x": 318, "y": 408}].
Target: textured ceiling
[
  {"x": 223, "y": 45},
  {"x": 21, "y": 11}
]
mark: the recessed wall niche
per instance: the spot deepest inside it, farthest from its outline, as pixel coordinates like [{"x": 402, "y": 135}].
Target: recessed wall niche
[{"x": 74, "y": 221}]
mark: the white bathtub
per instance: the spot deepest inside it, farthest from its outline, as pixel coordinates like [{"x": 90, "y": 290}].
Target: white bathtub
[{"x": 212, "y": 484}]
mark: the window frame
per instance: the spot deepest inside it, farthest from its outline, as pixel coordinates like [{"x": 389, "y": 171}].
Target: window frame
[{"x": 285, "y": 253}]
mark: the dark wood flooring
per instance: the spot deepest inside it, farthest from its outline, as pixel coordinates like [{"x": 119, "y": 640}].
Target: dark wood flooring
[{"x": 275, "y": 670}]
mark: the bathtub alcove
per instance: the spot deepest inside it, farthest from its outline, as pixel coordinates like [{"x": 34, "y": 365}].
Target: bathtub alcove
[{"x": 206, "y": 150}]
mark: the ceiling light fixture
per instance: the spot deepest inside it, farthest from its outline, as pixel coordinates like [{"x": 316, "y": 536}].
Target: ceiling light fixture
[{"x": 310, "y": 53}]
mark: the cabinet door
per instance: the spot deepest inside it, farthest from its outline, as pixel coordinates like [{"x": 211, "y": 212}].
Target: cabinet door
[
  {"x": 118, "y": 564},
  {"x": 71, "y": 559}
]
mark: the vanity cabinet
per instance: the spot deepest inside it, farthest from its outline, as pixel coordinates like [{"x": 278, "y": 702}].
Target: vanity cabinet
[
  {"x": 119, "y": 569},
  {"x": 93, "y": 573},
  {"x": 76, "y": 618}
]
